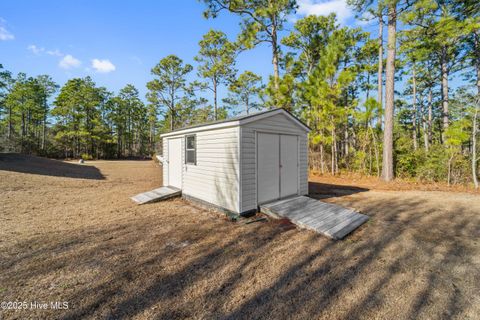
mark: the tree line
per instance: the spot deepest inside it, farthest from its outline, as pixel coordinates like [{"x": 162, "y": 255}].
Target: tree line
[
  {"x": 327, "y": 74},
  {"x": 397, "y": 102}
]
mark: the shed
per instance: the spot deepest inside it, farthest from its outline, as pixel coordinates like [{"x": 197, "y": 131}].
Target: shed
[{"x": 239, "y": 163}]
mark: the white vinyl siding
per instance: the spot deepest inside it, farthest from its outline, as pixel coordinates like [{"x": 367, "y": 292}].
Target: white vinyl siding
[
  {"x": 225, "y": 173},
  {"x": 303, "y": 164},
  {"x": 165, "y": 162},
  {"x": 215, "y": 177},
  {"x": 278, "y": 123}
]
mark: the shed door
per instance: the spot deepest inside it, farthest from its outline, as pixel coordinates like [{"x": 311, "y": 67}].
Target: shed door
[
  {"x": 277, "y": 166},
  {"x": 268, "y": 167},
  {"x": 288, "y": 165},
  {"x": 175, "y": 162}
]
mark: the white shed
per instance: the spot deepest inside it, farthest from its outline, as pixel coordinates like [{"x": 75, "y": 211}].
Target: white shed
[{"x": 239, "y": 163}]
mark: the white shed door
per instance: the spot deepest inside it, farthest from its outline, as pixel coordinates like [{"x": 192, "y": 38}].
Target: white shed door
[
  {"x": 175, "y": 162},
  {"x": 288, "y": 165},
  {"x": 268, "y": 167},
  {"x": 277, "y": 166}
]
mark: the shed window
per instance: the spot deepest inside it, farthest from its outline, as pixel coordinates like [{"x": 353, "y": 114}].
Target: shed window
[{"x": 190, "y": 150}]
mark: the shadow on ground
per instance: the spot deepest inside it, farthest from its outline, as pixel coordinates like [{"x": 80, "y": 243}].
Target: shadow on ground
[
  {"x": 320, "y": 191},
  {"x": 47, "y": 167},
  {"x": 408, "y": 262}
]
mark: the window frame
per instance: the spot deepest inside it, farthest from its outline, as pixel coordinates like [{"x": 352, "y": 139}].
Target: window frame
[{"x": 194, "y": 163}]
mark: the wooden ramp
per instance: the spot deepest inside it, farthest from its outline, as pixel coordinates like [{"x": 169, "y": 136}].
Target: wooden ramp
[
  {"x": 328, "y": 219},
  {"x": 156, "y": 195}
]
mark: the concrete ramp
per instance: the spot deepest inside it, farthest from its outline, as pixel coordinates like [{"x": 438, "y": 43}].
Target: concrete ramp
[
  {"x": 328, "y": 219},
  {"x": 157, "y": 195}
]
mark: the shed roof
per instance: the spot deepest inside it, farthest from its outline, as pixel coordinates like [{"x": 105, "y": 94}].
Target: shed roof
[{"x": 238, "y": 120}]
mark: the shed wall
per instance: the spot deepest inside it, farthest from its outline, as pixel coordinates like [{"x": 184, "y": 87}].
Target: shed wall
[
  {"x": 279, "y": 123},
  {"x": 215, "y": 178},
  {"x": 165, "y": 163}
]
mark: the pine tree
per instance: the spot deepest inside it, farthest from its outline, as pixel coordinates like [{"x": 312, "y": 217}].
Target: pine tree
[
  {"x": 244, "y": 92},
  {"x": 439, "y": 32},
  {"x": 79, "y": 124},
  {"x": 262, "y": 22},
  {"x": 166, "y": 90},
  {"x": 326, "y": 89},
  {"x": 217, "y": 59}
]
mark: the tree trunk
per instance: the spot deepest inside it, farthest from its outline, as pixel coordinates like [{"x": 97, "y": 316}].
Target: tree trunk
[
  {"x": 27, "y": 125},
  {"x": 346, "y": 145},
  {"x": 275, "y": 62},
  {"x": 322, "y": 160},
  {"x": 44, "y": 130},
  {"x": 130, "y": 134},
  {"x": 424, "y": 127},
  {"x": 152, "y": 143},
  {"x": 414, "y": 118},
  {"x": 364, "y": 152},
  {"x": 387, "y": 168},
  {"x": 172, "y": 120},
  {"x": 119, "y": 144},
  {"x": 10, "y": 123},
  {"x": 370, "y": 161},
  {"x": 380, "y": 63},
  {"x": 444, "y": 90},
  {"x": 23, "y": 131},
  {"x": 333, "y": 150},
  {"x": 377, "y": 153},
  {"x": 474, "y": 144},
  {"x": 367, "y": 95},
  {"x": 215, "y": 98},
  {"x": 449, "y": 165},
  {"x": 477, "y": 107},
  {"x": 430, "y": 116},
  {"x": 150, "y": 136},
  {"x": 332, "y": 162},
  {"x": 247, "y": 107}
]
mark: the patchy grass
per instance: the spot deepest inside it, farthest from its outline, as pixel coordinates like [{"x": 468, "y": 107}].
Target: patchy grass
[{"x": 74, "y": 235}]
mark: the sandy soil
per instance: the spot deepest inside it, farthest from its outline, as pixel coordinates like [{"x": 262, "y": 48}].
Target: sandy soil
[{"x": 70, "y": 233}]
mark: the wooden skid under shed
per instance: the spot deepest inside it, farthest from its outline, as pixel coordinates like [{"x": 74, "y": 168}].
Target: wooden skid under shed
[
  {"x": 156, "y": 195},
  {"x": 326, "y": 218}
]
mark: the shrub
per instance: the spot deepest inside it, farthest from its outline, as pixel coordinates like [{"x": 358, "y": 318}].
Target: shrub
[
  {"x": 434, "y": 165},
  {"x": 406, "y": 160},
  {"x": 86, "y": 156}
]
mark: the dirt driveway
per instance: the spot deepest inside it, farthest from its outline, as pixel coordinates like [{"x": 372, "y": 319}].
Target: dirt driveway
[{"x": 69, "y": 233}]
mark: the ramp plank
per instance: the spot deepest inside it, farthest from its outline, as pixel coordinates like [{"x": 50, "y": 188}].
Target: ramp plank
[
  {"x": 329, "y": 219},
  {"x": 158, "y": 194}
]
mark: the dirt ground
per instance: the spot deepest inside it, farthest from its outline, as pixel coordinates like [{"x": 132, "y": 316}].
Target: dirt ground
[
  {"x": 357, "y": 180},
  {"x": 70, "y": 233}
]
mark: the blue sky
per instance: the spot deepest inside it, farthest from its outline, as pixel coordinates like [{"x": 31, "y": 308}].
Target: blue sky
[{"x": 118, "y": 42}]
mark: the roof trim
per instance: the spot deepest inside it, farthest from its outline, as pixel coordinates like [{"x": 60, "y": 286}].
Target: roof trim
[
  {"x": 233, "y": 123},
  {"x": 278, "y": 111},
  {"x": 236, "y": 122}
]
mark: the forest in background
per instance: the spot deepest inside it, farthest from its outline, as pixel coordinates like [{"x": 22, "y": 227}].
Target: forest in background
[{"x": 402, "y": 102}]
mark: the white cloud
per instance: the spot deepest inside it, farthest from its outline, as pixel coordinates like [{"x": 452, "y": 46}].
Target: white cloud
[
  {"x": 323, "y": 8},
  {"x": 366, "y": 19},
  {"x": 55, "y": 53},
  {"x": 69, "y": 62},
  {"x": 35, "y": 49},
  {"x": 4, "y": 33},
  {"x": 103, "y": 66},
  {"x": 40, "y": 50}
]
